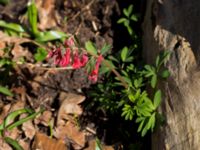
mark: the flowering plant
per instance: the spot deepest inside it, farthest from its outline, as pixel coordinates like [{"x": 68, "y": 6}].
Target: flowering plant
[{"x": 70, "y": 55}]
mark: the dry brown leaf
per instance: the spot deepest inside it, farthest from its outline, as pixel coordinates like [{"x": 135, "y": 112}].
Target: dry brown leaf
[
  {"x": 18, "y": 52},
  {"x": 5, "y": 112},
  {"x": 45, "y": 118},
  {"x": 18, "y": 105},
  {"x": 43, "y": 142},
  {"x": 70, "y": 107},
  {"x": 47, "y": 14},
  {"x": 21, "y": 91},
  {"x": 11, "y": 39},
  {"x": 29, "y": 129},
  {"x": 71, "y": 132},
  {"x": 24, "y": 145},
  {"x": 4, "y": 145}
]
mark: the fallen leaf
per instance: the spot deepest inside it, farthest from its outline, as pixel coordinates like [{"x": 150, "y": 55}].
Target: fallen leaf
[
  {"x": 24, "y": 144},
  {"x": 4, "y": 112},
  {"x": 47, "y": 14},
  {"x": 4, "y": 145},
  {"x": 43, "y": 142},
  {"x": 69, "y": 107},
  {"x": 71, "y": 132},
  {"x": 19, "y": 52},
  {"x": 45, "y": 118},
  {"x": 29, "y": 129}
]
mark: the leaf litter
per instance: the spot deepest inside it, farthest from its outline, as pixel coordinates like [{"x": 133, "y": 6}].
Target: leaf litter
[{"x": 58, "y": 127}]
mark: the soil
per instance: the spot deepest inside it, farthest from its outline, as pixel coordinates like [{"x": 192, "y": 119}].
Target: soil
[{"x": 94, "y": 20}]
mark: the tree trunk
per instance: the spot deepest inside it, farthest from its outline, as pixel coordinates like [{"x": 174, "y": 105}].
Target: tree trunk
[{"x": 174, "y": 25}]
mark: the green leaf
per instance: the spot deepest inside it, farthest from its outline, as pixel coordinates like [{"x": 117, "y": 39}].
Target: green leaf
[
  {"x": 153, "y": 121},
  {"x": 130, "y": 30},
  {"x": 104, "y": 68},
  {"x": 12, "y": 26},
  {"x": 165, "y": 74},
  {"x": 124, "y": 53},
  {"x": 17, "y": 123},
  {"x": 50, "y": 36},
  {"x": 134, "y": 17},
  {"x": 121, "y": 20},
  {"x": 5, "y": 91},
  {"x": 157, "y": 60},
  {"x": 129, "y": 59},
  {"x": 144, "y": 131},
  {"x": 105, "y": 49},
  {"x": 91, "y": 48},
  {"x": 41, "y": 54},
  {"x": 125, "y": 11},
  {"x": 32, "y": 17},
  {"x": 4, "y": 2},
  {"x": 98, "y": 144},
  {"x": 141, "y": 125},
  {"x": 130, "y": 10},
  {"x": 12, "y": 117},
  {"x": 13, "y": 143},
  {"x": 154, "y": 81},
  {"x": 157, "y": 98}
]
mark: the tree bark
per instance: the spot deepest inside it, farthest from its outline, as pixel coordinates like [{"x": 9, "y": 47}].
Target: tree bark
[{"x": 174, "y": 25}]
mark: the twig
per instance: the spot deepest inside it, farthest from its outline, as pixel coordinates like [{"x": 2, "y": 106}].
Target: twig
[{"x": 83, "y": 9}]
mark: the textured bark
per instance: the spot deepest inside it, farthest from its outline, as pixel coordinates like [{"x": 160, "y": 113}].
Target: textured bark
[{"x": 174, "y": 25}]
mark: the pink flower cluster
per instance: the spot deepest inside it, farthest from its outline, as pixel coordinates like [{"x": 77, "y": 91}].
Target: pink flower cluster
[
  {"x": 72, "y": 57},
  {"x": 64, "y": 60}
]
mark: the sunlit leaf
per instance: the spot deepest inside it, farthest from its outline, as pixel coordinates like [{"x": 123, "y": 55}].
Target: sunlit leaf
[
  {"x": 50, "y": 36},
  {"x": 5, "y": 91},
  {"x": 91, "y": 48},
  {"x": 32, "y": 17},
  {"x": 98, "y": 145},
  {"x": 13, "y": 115},
  {"x": 21, "y": 121},
  {"x": 12, "y": 26}
]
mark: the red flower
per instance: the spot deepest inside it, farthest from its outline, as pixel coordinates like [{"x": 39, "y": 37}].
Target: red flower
[
  {"x": 77, "y": 62},
  {"x": 84, "y": 60},
  {"x": 66, "y": 59},
  {"x": 94, "y": 74}
]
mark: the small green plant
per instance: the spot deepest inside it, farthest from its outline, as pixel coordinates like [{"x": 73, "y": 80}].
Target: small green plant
[
  {"x": 128, "y": 18},
  {"x": 9, "y": 123},
  {"x": 128, "y": 91}
]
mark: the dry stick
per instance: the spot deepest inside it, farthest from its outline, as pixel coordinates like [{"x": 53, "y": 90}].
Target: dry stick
[
  {"x": 117, "y": 74},
  {"x": 83, "y": 9}
]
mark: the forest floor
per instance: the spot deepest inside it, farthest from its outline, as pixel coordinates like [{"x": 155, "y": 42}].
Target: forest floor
[{"x": 62, "y": 93}]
